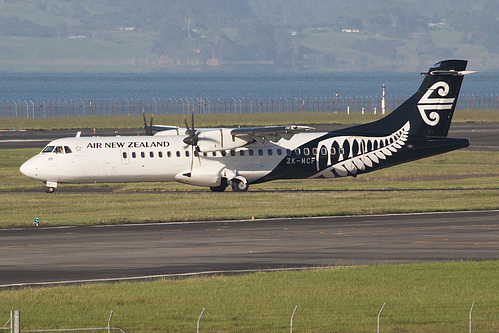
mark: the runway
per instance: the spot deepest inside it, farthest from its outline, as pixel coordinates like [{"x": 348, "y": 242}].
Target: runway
[{"x": 38, "y": 255}]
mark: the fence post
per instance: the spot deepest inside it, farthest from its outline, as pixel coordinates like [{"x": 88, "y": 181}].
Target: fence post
[
  {"x": 17, "y": 321},
  {"x": 292, "y": 316},
  {"x": 199, "y": 319},
  {"x": 379, "y": 314},
  {"x": 471, "y": 311}
]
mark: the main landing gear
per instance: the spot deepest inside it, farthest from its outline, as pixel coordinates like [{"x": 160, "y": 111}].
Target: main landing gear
[
  {"x": 221, "y": 187},
  {"x": 237, "y": 185}
]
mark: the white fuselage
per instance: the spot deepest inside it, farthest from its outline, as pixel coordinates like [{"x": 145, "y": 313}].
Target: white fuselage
[{"x": 155, "y": 158}]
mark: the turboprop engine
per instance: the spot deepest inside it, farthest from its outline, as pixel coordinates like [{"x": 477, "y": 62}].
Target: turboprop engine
[{"x": 216, "y": 177}]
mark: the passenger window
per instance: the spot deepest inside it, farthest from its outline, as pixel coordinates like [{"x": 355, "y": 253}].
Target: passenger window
[
  {"x": 67, "y": 150},
  {"x": 124, "y": 155},
  {"x": 241, "y": 153},
  {"x": 250, "y": 152},
  {"x": 196, "y": 153},
  {"x": 269, "y": 151},
  {"x": 178, "y": 153},
  {"x": 260, "y": 152},
  {"x": 223, "y": 152},
  {"x": 142, "y": 154},
  {"x": 134, "y": 155},
  {"x": 306, "y": 151},
  {"x": 186, "y": 153},
  {"x": 279, "y": 151},
  {"x": 297, "y": 151},
  {"x": 169, "y": 153},
  {"x": 205, "y": 154},
  {"x": 232, "y": 152},
  {"x": 160, "y": 154},
  {"x": 214, "y": 153},
  {"x": 151, "y": 154},
  {"x": 288, "y": 152}
]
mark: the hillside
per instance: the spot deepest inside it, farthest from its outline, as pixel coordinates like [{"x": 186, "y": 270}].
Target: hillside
[{"x": 246, "y": 35}]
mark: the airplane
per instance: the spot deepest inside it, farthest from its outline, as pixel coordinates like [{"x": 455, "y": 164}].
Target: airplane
[{"x": 237, "y": 157}]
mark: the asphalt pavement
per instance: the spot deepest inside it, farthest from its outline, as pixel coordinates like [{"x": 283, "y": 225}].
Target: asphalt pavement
[{"x": 39, "y": 255}]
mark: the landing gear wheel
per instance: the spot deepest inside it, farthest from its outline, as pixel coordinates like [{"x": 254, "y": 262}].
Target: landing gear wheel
[
  {"x": 49, "y": 189},
  {"x": 239, "y": 186},
  {"x": 221, "y": 187}
]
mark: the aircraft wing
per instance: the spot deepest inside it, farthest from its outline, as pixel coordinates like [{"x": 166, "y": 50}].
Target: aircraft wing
[
  {"x": 263, "y": 135},
  {"x": 160, "y": 128}
]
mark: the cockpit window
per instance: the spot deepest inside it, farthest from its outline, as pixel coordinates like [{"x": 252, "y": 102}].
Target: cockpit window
[
  {"x": 57, "y": 150},
  {"x": 48, "y": 149}
]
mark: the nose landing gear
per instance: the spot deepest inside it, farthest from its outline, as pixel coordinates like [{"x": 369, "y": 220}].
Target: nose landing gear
[
  {"x": 49, "y": 189},
  {"x": 49, "y": 186}
]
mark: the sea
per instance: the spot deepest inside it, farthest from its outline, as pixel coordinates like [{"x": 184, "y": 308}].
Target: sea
[{"x": 106, "y": 86}]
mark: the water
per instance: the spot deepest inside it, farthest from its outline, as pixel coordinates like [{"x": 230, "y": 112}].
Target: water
[{"x": 105, "y": 86}]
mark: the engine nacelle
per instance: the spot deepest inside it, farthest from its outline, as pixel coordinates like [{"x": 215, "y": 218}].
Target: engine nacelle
[
  {"x": 218, "y": 139},
  {"x": 207, "y": 176}
]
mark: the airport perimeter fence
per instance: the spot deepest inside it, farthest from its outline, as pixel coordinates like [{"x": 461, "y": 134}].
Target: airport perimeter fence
[
  {"x": 378, "y": 321},
  {"x": 28, "y": 108}
]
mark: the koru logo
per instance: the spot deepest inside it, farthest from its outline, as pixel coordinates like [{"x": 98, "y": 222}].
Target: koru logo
[{"x": 435, "y": 104}]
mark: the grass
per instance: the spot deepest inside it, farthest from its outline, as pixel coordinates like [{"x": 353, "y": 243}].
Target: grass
[
  {"x": 418, "y": 297},
  {"x": 224, "y": 120},
  {"x": 461, "y": 180},
  {"x": 19, "y": 209}
]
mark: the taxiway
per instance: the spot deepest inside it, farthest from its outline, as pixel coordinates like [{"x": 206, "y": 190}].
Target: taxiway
[{"x": 38, "y": 255}]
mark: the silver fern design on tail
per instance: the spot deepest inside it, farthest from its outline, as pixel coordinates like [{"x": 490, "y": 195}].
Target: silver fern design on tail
[{"x": 347, "y": 155}]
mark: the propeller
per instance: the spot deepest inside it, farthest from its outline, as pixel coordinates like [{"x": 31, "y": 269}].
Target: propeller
[
  {"x": 192, "y": 139},
  {"x": 148, "y": 128}
]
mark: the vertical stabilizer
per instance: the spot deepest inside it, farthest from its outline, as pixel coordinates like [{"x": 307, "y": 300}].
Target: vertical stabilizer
[{"x": 429, "y": 111}]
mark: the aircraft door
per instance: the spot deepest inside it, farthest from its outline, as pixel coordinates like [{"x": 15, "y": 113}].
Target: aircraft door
[{"x": 125, "y": 156}]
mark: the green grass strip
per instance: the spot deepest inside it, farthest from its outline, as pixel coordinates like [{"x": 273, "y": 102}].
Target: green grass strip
[
  {"x": 418, "y": 297},
  {"x": 224, "y": 120}
]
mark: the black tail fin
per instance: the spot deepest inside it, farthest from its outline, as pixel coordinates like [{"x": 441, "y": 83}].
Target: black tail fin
[{"x": 429, "y": 110}]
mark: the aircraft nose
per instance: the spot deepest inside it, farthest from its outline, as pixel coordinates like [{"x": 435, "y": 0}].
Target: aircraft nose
[{"x": 29, "y": 168}]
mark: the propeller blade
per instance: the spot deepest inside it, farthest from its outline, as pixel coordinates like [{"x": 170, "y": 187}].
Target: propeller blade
[
  {"x": 192, "y": 128},
  {"x": 192, "y": 136},
  {"x": 192, "y": 157},
  {"x": 144, "y": 115},
  {"x": 199, "y": 155},
  {"x": 188, "y": 130},
  {"x": 148, "y": 128}
]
